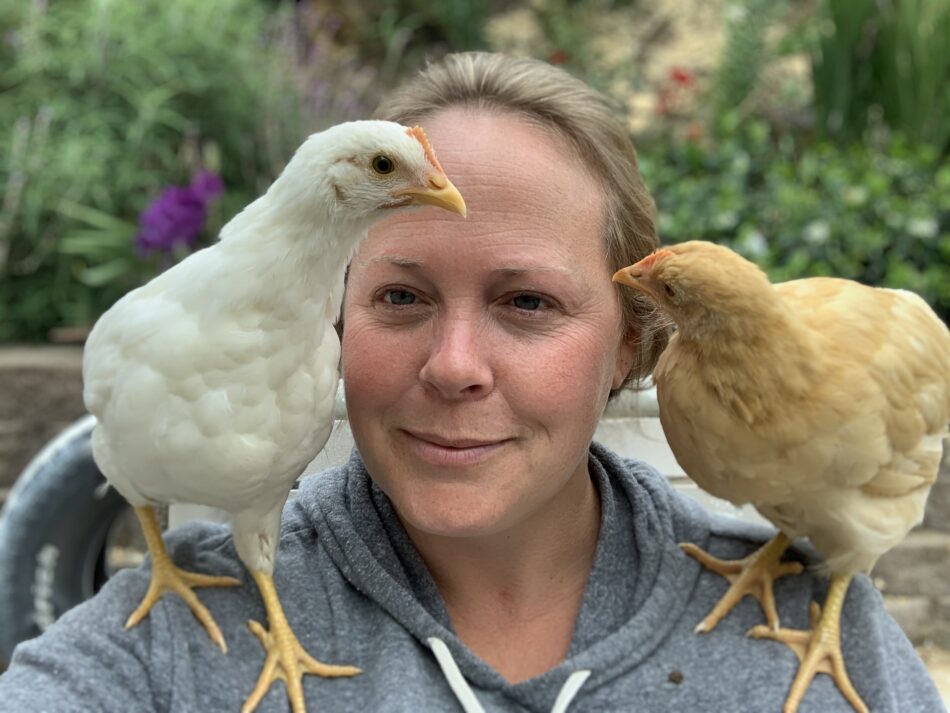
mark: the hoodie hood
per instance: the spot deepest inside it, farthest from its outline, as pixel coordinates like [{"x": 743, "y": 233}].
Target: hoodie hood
[{"x": 636, "y": 591}]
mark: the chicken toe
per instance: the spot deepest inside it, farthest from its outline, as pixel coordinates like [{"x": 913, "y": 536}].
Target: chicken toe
[
  {"x": 166, "y": 577},
  {"x": 286, "y": 658},
  {"x": 752, "y": 575},
  {"x": 818, "y": 649}
]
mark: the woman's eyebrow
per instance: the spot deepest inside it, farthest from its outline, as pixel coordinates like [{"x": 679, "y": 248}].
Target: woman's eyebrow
[
  {"x": 397, "y": 260},
  {"x": 505, "y": 271},
  {"x": 519, "y": 271}
]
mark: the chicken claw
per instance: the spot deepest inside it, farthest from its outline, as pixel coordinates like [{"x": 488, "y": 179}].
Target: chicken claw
[
  {"x": 166, "y": 577},
  {"x": 818, "y": 649},
  {"x": 752, "y": 575},
  {"x": 286, "y": 658}
]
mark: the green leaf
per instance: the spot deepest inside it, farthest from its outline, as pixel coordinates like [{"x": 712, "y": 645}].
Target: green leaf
[{"x": 105, "y": 273}]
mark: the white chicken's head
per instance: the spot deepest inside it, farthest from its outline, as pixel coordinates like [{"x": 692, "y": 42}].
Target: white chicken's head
[
  {"x": 361, "y": 169},
  {"x": 699, "y": 284}
]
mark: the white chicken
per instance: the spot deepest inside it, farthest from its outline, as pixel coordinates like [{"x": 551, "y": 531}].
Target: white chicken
[
  {"x": 821, "y": 401},
  {"x": 214, "y": 383}
]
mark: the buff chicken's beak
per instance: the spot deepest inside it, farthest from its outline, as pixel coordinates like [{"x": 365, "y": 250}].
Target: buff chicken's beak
[
  {"x": 639, "y": 276},
  {"x": 438, "y": 191}
]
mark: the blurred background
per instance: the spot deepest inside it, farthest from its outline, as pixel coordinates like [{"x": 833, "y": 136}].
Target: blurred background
[{"x": 810, "y": 135}]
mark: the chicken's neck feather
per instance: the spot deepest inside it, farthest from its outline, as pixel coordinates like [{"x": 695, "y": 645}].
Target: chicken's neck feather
[
  {"x": 758, "y": 360},
  {"x": 282, "y": 249}
]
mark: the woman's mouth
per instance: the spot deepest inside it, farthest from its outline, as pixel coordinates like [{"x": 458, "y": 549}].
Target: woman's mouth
[{"x": 446, "y": 451}]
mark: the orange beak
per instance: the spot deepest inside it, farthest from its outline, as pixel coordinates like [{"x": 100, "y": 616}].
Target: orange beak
[
  {"x": 640, "y": 275},
  {"x": 438, "y": 191}
]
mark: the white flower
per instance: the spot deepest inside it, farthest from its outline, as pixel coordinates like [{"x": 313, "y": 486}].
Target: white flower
[
  {"x": 922, "y": 227},
  {"x": 816, "y": 232},
  {"x": 753, "y": 244}
]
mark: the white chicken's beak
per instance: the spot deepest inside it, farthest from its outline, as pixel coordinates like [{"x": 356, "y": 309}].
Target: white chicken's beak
[{"x": 438, "y": 191}]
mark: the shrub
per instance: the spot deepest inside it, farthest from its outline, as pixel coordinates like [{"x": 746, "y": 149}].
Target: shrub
[
  {"x": 879, "y": 214},
  {"x": 103, "y": 103},
  {"x": 882, "y": 61}
]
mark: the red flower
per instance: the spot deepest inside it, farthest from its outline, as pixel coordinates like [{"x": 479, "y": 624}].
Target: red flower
[{"x": 682, "y": 77}]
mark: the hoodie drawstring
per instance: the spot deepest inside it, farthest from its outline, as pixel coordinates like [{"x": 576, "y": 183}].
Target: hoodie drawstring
[{"x": 466, "y": 695}]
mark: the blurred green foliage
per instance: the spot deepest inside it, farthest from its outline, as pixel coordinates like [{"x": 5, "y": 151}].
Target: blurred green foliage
[
  {"x": 745, "y": 52},
  {"x": 883, "y": 62},
  {"x": 877, "y": 213},
  {"x": 399, "y": 35},
  {"x": 102, "y": 104}
]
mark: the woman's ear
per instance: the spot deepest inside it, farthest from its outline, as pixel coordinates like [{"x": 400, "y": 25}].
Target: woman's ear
[{"x": 626, "y": 357}]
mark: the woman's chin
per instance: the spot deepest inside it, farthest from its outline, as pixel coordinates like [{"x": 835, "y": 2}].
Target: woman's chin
[{"x": 438, "y": 520}]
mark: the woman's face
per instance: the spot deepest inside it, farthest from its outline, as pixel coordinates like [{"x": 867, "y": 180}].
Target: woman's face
[{"x": 478, "y": 353}]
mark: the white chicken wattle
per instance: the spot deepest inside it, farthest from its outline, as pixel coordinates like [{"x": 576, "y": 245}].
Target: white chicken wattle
[{"x": 214, "y": 383}]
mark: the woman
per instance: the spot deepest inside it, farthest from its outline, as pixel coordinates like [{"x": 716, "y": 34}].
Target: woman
[{"x": 478, "y": 551}]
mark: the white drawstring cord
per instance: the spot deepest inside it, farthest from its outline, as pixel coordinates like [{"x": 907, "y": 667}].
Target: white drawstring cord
[
  {"x": 466, "y": 695},
  {"x": 570, "y": 688},
  {"x": 456, "y": 680}
]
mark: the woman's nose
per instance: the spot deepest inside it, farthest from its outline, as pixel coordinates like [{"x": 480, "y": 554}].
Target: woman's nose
[{"x": 456, "y": 367}]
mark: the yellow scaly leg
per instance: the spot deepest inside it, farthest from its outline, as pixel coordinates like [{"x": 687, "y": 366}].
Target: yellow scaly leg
[
  {"x": 819, "y": 648},
  {"x": 166, "y": 577},
  {"x": 286, "y": 658}
]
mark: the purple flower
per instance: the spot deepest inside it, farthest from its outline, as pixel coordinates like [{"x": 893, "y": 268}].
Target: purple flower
[
  {"x": 177, "y": 216},
  {"x": 207, "y": 185}
]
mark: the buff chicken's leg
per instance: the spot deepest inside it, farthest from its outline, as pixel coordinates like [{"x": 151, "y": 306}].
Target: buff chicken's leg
[
  {"x": 751, "y": 575},
  {"x": 286, "y": 658},
  {"x": 819, "y": 648},
  {"x": 167, "y": 577}
]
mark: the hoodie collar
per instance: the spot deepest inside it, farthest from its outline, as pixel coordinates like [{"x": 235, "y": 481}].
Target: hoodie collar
[{"x": 639, "y": 584}]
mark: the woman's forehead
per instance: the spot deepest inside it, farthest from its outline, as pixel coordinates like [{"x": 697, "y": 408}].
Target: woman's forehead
[
  {"x": 524, "y": 192},
  {"x": 482, "y": 147}
]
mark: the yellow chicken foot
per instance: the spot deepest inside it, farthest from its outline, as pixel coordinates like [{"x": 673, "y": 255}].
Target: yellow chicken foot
[
  {"x": 167, "y": 577},
  {"x": 286, "y": 658},
  {"x": 819, "y": 648},
  {"x": 751, "y": 575}
]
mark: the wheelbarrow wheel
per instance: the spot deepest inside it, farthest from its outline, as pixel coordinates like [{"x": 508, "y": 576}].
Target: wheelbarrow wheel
[{"x": 54, "y": 531}]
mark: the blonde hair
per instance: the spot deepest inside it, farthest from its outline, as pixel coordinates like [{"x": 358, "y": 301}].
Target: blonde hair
[{"x": 555, "y": 100}]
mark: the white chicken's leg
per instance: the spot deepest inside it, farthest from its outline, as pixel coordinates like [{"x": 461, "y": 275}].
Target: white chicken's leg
[
  {"x": 819, "y": 648},
  {"x": 286, "y": 658},
  {"x": 751, "y": 575},
  {"x": 167, "y": 577}
]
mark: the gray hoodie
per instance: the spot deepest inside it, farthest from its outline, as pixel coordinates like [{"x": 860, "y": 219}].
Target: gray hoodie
[{"x": 356, "y": 592}]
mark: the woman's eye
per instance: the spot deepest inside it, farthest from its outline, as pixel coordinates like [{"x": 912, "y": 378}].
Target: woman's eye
[
  {"x": 529, "y": 303},
  {"x": 399, "y": 297}
]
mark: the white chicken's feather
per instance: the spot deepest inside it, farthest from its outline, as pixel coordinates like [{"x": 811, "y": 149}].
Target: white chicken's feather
[{"x": 215, "y": 382}]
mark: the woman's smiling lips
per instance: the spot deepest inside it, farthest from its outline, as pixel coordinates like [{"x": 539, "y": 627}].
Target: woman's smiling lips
[{"x": 442, "y": 451}]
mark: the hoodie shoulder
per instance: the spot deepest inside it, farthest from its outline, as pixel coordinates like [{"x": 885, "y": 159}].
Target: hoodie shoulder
[{"x": 317, "y": 491}]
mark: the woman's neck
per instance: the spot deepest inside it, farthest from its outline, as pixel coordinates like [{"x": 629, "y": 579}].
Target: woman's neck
[{"x": 513, "y": 596}]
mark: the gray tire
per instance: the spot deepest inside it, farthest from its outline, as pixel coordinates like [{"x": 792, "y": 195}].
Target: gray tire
[{"x": 53, "y": 531}]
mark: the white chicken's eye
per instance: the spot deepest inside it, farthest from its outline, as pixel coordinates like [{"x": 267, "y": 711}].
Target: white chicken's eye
[{"x": 383, "y": 165}]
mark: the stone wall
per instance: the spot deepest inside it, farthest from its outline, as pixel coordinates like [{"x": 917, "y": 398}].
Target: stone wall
[{"x": 41, "y": 393}]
